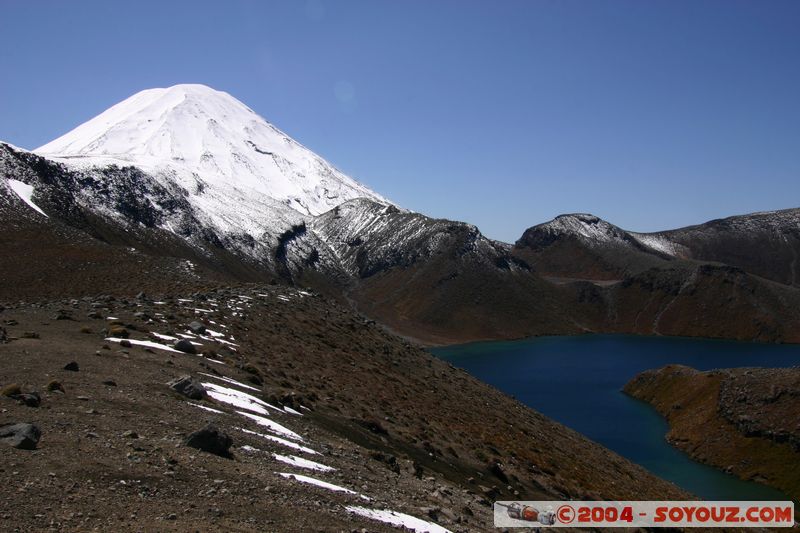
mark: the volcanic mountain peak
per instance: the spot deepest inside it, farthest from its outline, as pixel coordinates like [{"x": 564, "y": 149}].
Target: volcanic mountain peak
[
  {"x": 207, "y": 140},
  {"x": 595, "y": 233},
  {"x": 584, "y": 226}
]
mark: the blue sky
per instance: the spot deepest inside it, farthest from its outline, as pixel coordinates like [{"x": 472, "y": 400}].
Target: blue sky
[{"x": 651, "y": 114}]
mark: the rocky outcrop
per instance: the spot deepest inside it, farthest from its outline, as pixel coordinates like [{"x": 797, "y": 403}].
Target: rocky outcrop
[{"x": 741, "y": 420}]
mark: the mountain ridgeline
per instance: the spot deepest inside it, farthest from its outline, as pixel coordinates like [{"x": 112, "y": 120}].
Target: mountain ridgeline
[{"x": 190, "y": 174}]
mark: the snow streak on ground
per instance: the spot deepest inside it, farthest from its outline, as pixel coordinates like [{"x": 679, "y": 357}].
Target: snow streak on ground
[
  {"x": 317, "y": 482},
  {"x": 302, "y": 463},
  {"x": 398, "y": 519},
  {"x": 146, "y": 344},
  {"x": 272, "y": 426},
  {"x": 284, "y": 442},
  {"x": 238, "y": 399},
  {"x": 229, "y": 380},
  {"x": 217, "y": 411}
]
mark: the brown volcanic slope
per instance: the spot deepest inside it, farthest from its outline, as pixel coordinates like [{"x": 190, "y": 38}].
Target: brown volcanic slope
[
  {"x": 44, "y": 257},
  {"x": 410, "y": 431},
  {"x": 697, "y": 300},
  {"x": 743, "y": 420}
]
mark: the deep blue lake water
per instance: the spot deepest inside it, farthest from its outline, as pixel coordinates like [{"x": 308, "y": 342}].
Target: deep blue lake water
[{"x": 578, "y": 380}]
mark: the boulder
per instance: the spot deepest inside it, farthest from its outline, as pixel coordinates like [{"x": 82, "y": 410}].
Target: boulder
[
  {"x": 22, "y": 436},
  {"x": 72, "y": 366},
  {"x": 197, "y": 327},
  {"x": 189, "y": 387},
  {"x": 185, "y": 346},
  {"x": 210, "y": 439}
]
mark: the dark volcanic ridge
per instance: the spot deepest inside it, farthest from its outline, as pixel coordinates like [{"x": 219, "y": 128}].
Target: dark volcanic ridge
[{"x": 437, "y": 281}]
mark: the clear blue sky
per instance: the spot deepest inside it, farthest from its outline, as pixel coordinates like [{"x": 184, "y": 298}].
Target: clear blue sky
[{"x": 651, "y": 114}]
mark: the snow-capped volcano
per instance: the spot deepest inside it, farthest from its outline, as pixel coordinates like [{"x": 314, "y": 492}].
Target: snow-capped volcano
[{"x": 212, "y": 145}]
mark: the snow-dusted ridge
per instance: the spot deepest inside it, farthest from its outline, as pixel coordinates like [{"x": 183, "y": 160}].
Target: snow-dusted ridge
[{"x": 594, "y": 231}]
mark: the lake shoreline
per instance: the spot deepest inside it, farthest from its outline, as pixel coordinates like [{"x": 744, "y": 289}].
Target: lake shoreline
[
  {"x": 578, "y": 381},
  {"x": 736, "y": 435}
]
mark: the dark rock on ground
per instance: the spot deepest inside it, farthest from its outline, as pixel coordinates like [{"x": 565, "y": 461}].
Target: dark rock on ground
[
  {"x": 189, "y": 387},
  {"x": 31, "y": 399},
  {"x": 21, "y": 436},
  {"x": 211, "y": 440},
  {"x": 185, "y": 346},
  {"x": 197, "y": 327},
  {"x": 55, "y": 385},
  {"x": 71, "y": 366},
  {"x": 14, "y": 391}
]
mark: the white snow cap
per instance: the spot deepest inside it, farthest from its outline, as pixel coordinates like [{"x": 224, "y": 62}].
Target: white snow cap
[{"x": 207, "y": 138}]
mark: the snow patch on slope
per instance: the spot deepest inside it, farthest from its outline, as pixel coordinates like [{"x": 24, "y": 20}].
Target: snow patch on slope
[
  {"x": 25, "y": 193},
  {"x": 658, "y": 243}
]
